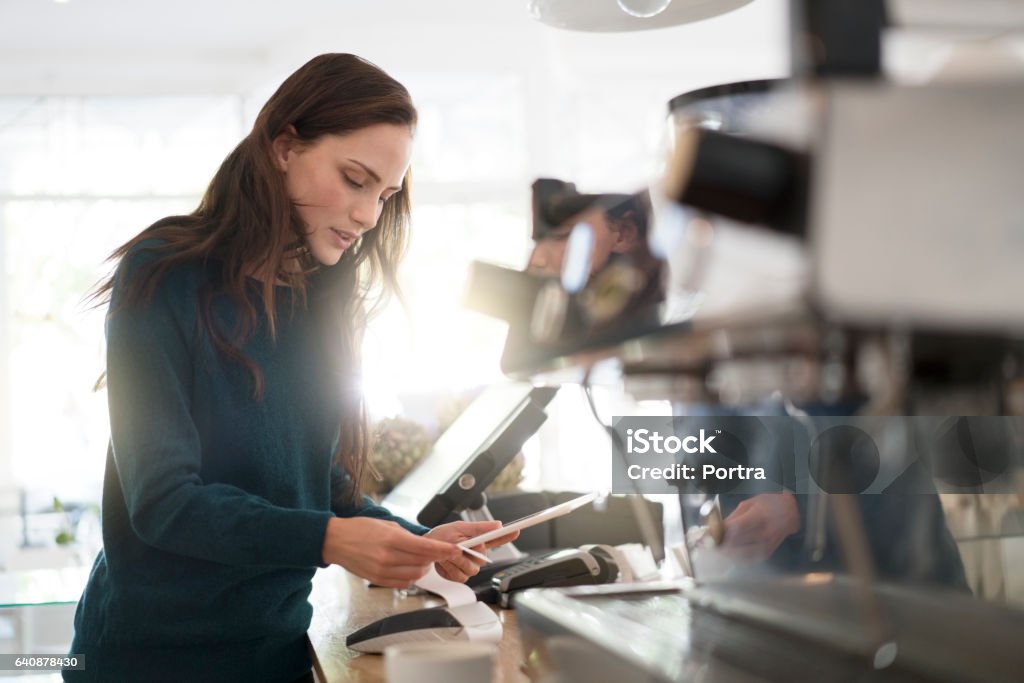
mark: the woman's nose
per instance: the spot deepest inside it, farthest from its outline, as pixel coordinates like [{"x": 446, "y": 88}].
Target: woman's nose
[
  {"x": 364, "y": 214},
  {"x": 545, "y": 259},
  {"x": 537, "y": 259}
]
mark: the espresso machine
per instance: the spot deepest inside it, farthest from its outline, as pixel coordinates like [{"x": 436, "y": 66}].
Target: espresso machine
[{"x": 840, "y": 245}]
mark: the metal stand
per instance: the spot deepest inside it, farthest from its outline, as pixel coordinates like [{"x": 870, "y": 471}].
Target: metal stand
[{"x": 478, "y": 512}]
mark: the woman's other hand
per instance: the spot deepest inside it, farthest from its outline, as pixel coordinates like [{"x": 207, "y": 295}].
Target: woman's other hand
[
  {"x": 759, "y": 525},
  {"x": 465, "y": 565},
  {"x": 384, "y": 552}
]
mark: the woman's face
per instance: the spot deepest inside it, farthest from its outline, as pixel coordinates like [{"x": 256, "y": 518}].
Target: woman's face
[
  {"x": 548, "y": 255},
  {"x": 340, "y": 182}
]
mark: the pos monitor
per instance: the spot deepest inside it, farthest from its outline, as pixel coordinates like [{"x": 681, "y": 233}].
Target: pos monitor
[{"x": 471, "y": 453}]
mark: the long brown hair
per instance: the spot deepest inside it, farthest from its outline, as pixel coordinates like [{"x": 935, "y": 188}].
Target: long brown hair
[{"x": 246, "y": 223}]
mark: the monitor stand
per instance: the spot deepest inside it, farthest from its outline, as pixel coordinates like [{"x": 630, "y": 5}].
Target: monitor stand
[{"x": 478, "y": 512}]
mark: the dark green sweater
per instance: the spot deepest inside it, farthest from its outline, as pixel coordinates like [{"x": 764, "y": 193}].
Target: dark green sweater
[{"x": 215, "y": 504}]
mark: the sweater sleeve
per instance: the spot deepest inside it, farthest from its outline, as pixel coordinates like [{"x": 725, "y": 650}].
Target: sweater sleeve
[
  {"x": 343, "y": 507},
  {"x": 157, "y": 453}
]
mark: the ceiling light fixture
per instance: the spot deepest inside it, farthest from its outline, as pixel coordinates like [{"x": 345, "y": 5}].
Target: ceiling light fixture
[
  {"x": 644, "y": 8},
  {"x": 626, "y": 15}
]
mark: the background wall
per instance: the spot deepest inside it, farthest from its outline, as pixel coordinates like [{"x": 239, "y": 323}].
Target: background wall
[{"x": 114, "y": 113}]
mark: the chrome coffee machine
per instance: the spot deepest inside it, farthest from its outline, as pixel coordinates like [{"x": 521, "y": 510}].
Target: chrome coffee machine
[{"x": 840, "y": 243}]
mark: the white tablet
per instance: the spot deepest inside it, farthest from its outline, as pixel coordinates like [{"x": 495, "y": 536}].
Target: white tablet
[{"x": 530, "y": 520}]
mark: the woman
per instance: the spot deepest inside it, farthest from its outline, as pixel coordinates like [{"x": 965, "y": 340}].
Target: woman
[{"x": 237, "y": 428}]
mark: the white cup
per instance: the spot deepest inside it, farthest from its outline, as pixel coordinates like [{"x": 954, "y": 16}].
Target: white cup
[{"x": 440, "y": 662}]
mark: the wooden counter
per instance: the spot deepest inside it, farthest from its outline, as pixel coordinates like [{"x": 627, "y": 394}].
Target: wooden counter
[{"x": 342, "y": 603}]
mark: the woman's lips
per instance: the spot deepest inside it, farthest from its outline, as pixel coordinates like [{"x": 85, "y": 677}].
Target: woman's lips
[{"x": 343, "y": 239}]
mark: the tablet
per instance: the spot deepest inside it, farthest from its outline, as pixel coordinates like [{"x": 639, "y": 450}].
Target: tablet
[{"x": 530, "y": 520}]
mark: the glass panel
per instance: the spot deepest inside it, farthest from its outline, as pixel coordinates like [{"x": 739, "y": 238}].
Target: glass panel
[
  {"x": 437, "y": 344},
  {"x": 471, "y": 128},
  {"x": 55, "y": 254},
  {"x": 114, "y": 145},
  {"x": 42, "y": 586}
]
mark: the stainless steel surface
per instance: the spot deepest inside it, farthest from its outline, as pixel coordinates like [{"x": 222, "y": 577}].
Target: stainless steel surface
[
  {"x": 999, "y": 15},
  {"x": 921, "y": 228},
  {"x": 771, "y": 629}
]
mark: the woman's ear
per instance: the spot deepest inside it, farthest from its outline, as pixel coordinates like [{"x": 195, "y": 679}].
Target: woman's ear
[
  {"x": 627, "y": 236},
  {"x": 283, "y": 146}
]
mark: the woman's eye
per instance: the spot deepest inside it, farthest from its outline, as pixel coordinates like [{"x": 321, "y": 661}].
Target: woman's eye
[{"x": 353, "y": 183}]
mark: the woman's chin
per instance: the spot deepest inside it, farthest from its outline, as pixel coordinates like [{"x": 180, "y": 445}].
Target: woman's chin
[{"x": 327, "y": 257}]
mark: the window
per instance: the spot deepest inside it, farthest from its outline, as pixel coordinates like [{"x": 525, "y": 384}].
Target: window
[
  {"x": 81, "y": 175},
  {"x": 78, "y": 177}
]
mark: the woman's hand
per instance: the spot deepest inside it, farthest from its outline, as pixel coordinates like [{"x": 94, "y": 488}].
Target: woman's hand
[
  {"x": 758, "y": 525},
  {"x": 465, "y": 565},
  {"x": 384, "y": 552}
]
